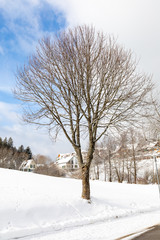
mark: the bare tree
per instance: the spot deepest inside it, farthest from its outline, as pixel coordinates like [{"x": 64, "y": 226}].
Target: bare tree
[
  {"x": 103, "y": 154},
  {"x": 133, "y": 141},
  {"x": 121, "y": 162},
  {"x": 96, "y": 162},
  {"x": 42, "y": 159},
  {"x": 154, "y": 121},
  {"x": 82, "y": 81},
  {"x": 111, "y": 145},
  {"x": 50, "y": 169}
]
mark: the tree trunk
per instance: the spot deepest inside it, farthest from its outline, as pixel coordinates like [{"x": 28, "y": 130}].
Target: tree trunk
[
  {"x": 97, "y": 175},
  {"x": 135, "y": 172},
  {"x": 135, "y": 168},
  {"x": 110, "y": 167},
  {"x": 105, "y": 171},
  {"x": 85, "y": 183}
]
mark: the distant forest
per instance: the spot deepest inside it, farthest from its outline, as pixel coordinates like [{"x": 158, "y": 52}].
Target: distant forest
[{"x": 12, "y": 157}]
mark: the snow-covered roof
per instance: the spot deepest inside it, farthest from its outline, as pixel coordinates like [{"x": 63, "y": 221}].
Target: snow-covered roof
[
  {"x": 30, "y": 161},
  {"x": 26, "y": 164},
  {"x": 64, "y": 160}
]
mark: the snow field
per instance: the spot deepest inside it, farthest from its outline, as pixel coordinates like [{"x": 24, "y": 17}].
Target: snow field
[{"x": 32, "y": 203}]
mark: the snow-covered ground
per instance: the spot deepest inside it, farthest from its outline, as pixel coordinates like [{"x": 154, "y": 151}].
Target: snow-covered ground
[{"x": 48, "y": 208}]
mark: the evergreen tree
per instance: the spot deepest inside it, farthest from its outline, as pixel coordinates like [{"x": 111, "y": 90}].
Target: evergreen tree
[
  {"x": 10, "y": 156},
  {"x": 21, "y": 149},
  {"x": 10, "y": 142},
  {"x": 1, "y": 142},
  {"x": 29, "y": 152},
  {"x": 5, "y": 142}
]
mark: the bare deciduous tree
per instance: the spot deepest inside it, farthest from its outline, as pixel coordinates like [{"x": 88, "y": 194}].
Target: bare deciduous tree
[
  {"x": 50, "y": 169},
  {"x": 82, "y": 81},
  {"x": 42, "y": 159},
  {"x": 103, "y": 154}
]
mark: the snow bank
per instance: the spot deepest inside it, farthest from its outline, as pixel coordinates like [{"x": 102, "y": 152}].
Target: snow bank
[{"x": 32, "y": 203}]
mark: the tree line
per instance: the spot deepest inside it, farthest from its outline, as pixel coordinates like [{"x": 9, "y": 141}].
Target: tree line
[
  {"x": 12, "y": 157},
  {"x": 127, "y": 157}
]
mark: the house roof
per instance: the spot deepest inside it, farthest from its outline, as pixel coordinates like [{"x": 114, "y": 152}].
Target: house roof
[
  {"x": 26, "y": 164},
  {"x": 64, "y": 160}
]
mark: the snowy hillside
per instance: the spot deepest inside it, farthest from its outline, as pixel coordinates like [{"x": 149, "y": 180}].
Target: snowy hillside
[{"x": 32, "y": 203}]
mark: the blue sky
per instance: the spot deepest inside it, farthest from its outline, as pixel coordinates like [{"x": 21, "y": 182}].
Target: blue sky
[
  {"x": 22, "y": 23},
  {"x": 21, "y": 26},
  {"x": 18, "y": 37}
]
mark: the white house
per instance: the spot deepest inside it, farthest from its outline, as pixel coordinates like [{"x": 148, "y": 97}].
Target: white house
[
  {"x": 67, "y": 161},
  {"x": 28, "y": 165}
]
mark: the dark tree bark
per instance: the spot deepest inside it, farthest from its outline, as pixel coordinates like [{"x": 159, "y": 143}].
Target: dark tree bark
[
  {"x": 110, "y": 166},
  {"x": 85, "y": 183}
]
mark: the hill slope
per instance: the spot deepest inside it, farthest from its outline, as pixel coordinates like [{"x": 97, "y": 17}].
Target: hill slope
[{"x": 32, "y": 203}]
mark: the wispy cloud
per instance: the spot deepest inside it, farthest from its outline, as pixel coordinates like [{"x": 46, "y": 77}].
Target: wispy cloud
[
  {"x": 22, "y": 24},
  {"x": 24, "y": 20},
  {"x": 134, "y": 22},
  {"x": 8, "y": 113}
]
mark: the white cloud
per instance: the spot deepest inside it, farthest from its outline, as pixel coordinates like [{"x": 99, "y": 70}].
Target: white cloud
[
  {"x": 22, "y": 28},
  {"x": 134, "y": 22},
  {"x": 8, "y": 112},
  {"x": 17, "y": 9},
  {"x": 23, "y": 20}
]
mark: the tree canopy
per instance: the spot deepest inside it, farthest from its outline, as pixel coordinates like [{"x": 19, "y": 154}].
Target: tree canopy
[{"x": 80, "y": 82}]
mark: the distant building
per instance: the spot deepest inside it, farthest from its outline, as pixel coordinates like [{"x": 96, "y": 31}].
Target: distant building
[
  {"x": 67, "y": 161},
  {"x": 28, "y": 166}
]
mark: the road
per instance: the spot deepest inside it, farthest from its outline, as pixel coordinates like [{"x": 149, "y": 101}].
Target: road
[
  {"x": 153, "y": 234},
  {"x": 108, "y": 230}
]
